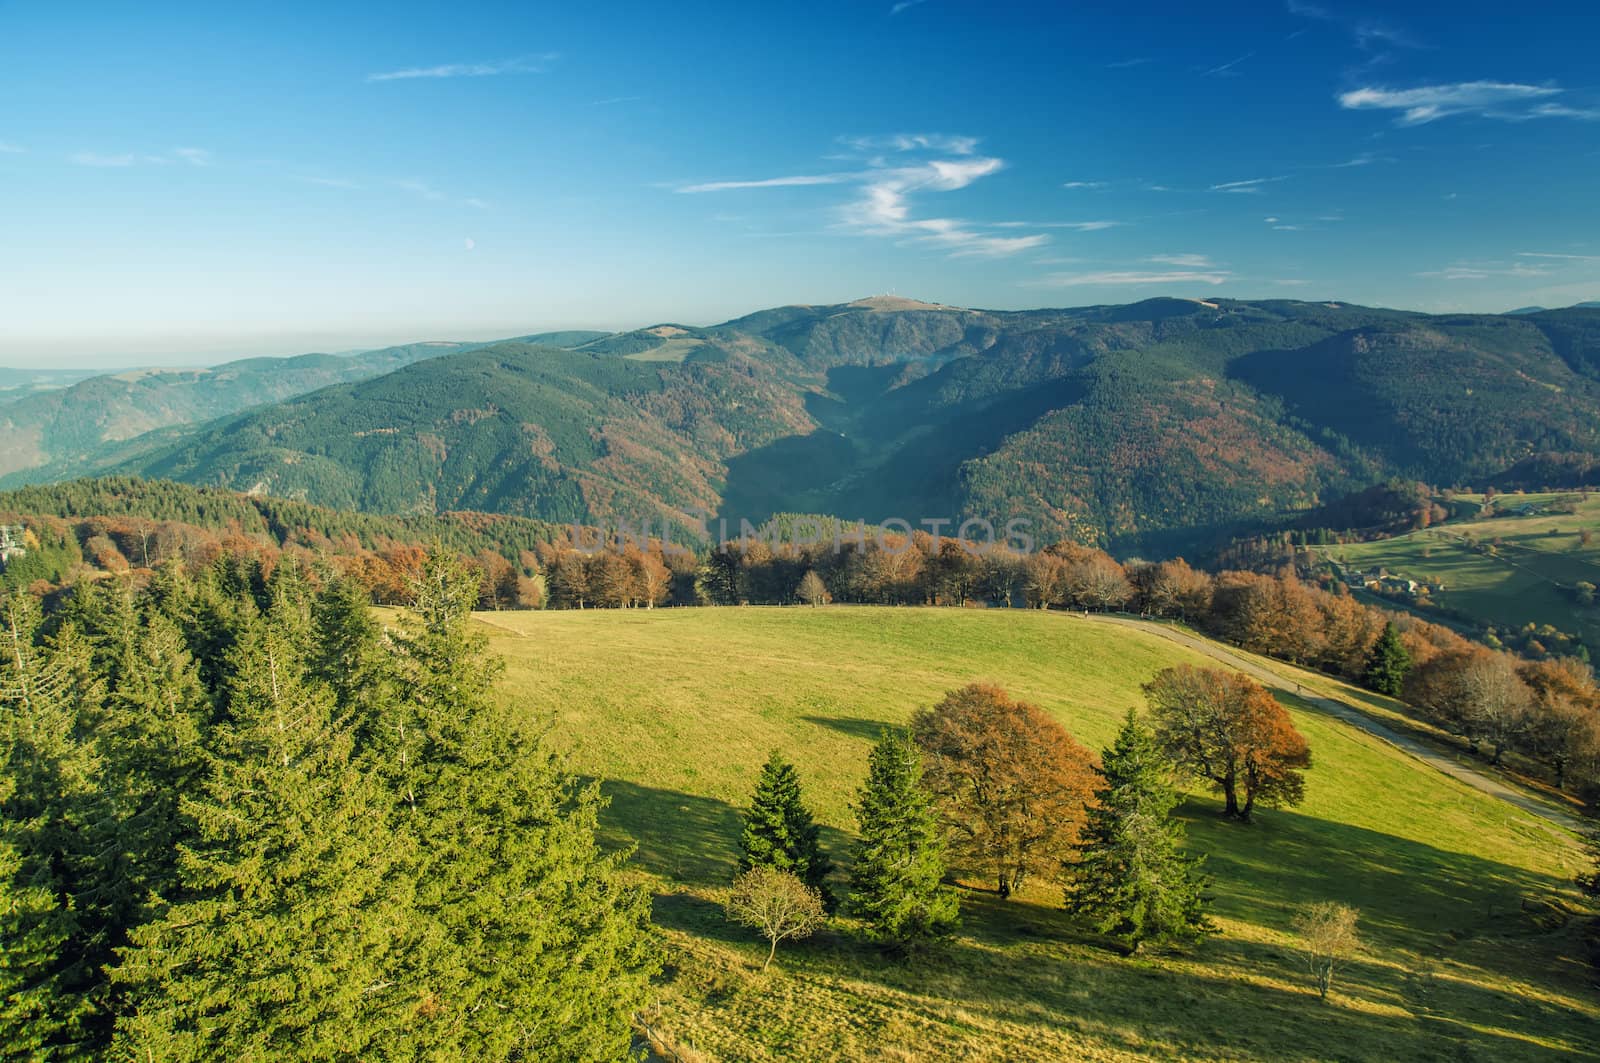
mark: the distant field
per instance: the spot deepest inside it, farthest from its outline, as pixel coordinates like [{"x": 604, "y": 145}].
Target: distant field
[
  {"x": 1521, "y": 583},
  {"x": 675, "y": 709}
]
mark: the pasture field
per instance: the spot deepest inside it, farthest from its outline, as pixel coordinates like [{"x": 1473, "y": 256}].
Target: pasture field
[
  {"x": 1527, "y": 578},
  {"x": 1469, "y": 955}
]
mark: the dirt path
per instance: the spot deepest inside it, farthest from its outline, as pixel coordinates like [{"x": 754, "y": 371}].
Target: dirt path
[{"x": 1354, "y": 717}]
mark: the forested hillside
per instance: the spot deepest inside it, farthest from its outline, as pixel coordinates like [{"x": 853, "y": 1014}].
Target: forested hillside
[
  {"x": 57, "y": 429},
  {"x": 1157, "y": 427}
]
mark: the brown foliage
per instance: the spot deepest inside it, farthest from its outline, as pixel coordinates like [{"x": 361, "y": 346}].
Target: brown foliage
[
  {"x": 1227, "y": 728},
  {"x": 1013, "y": 786}
]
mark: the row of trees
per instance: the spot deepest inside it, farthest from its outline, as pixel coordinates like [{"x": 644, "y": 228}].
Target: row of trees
[
  {"x": 998, "y": 788},
  {"x": 239, "y": 819}
]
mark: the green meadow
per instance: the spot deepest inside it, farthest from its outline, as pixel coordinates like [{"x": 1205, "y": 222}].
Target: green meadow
[
  {"x": 1527, "y": 578},
  {"x": 1470, "y": 954}
]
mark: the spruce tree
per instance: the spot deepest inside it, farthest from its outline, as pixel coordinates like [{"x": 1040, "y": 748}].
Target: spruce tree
[
  {"x": 1388, "y": 663},
  {"x": 895, "y": 879},
  {"x": 1133, "y": 880},
  {"x": 526, "y": 941},
  {"x": 277, "y": 939},
  {"x": 779, "y": 831},
  {"x": 55, "y": 927}
]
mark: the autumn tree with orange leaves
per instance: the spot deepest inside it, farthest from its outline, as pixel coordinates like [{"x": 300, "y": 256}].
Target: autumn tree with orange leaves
[
  {"x": 1012, "y": 785},
  {"x": 1228, "y": 729}
]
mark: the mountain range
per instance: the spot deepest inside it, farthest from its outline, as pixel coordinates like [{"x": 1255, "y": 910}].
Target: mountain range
[{"x": 1148, "y": 427}]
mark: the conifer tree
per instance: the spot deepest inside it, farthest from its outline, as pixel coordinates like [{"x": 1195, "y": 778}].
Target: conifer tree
[
  {"x": 54, "y": 926},
  {"x": 1388, "y": 663},
  {"x": 525, "y": 941},
  {"x": 779, "y": 831},
  {"x": 895, "y": 879},
  {"x": 278, "y": 937},
  {"x": 1133, "y": 880}
]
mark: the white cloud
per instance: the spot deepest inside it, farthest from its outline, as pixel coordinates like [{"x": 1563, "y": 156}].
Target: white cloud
[
  {"x": 329, "y": 182},
  {"x": 1252, "y": 186},
  {"x": 1084, "y": 184},
  {"x": 889, "y": 184},
  {"x": 1129, "y": 278},
  {"x": 94, "y": 158},
  {"x": 1290, "y": 282},
  {"x": 526, "y": 64},
  {"x": 8, "y": 148},
  {"x": 1507, "y": 101},
  {"x": 903, "y": 5},
  {"x": 1558, "y": 255},
  {"x": 1186, "y": 261},
  {"x": 1226, "y": 68},
  {"x": 419, "y": 188},
  {"x": 1478, "y": 272},
  {"x": 193, "y": 156},
  {"x": 797, "y": 181},
  {"x": 471, "y": 243},
  {"x": 475, "y": 203}
]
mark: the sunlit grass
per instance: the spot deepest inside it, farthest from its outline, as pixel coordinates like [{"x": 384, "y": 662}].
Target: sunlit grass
[{"x": 677, "y": 708}]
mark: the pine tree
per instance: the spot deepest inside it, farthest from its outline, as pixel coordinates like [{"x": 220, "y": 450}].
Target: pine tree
[
  {"x": 278, "y": 940},
  {"x": 1132, "y": 879},
  {"x": 895, "y": 879},
  {"x": 779, "y": 831},
  {"x": 525, "y": 940},
  {"x": 55, "y": 929},
  {"x": 1388, "y": 663}
]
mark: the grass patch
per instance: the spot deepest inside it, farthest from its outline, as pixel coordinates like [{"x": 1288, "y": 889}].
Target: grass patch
[{"x": 676, "y": 709}]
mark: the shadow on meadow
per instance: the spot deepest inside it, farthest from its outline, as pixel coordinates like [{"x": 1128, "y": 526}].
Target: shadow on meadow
[
  {"x": 871, "y": 730},
  {"x": 1027, "y": 965}
]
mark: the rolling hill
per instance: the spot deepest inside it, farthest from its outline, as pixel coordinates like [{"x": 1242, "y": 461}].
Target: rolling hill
[
  {"x": 676, "y": 709},
  {"x": 65, "y": 427},
  {"x": 1156, "y": 427}
]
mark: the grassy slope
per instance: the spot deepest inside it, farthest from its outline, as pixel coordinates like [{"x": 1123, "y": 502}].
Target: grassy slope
[
  {"x": 1522, "y": 585},
  {"x": 677, "y": 708}
]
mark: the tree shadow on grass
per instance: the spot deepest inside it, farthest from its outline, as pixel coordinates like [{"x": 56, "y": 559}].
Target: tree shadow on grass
[{"x": 871, "y": 730}]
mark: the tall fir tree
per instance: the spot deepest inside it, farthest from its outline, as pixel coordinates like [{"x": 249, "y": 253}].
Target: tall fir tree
[
  {"x": 779, "y": 831},
  {"x": 277, "y": 938},
  {"x": 1132, "y": 879},
  {"x": 55, "y": 925},
  {"x": 1388, "y": 663},
  {"x": 527, "y": 941},
  {"x": 896, "y": 879}
]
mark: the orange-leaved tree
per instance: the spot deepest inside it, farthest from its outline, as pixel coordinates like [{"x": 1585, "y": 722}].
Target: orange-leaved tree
[
  {"x": 1012, "y": 785},
  {"x": 1227, "y": 728}
]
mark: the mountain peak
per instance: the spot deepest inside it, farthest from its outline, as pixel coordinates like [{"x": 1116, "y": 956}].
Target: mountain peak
[{"x": 896, "y": 302}]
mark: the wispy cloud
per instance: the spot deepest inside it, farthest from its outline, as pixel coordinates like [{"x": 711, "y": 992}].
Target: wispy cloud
[
  {"x": 1186, "y": 261},
  {"x": 1124, "y": 64},
  {"x": 898, "y": 169},
  {"x": 905, "y": 5},
  {"x": 1251, "y": 186},
  {"x": 1558, "y": 256},
  {"x": 1131, "y": 278},
  {"x": 1084, "y": 184},
  {"x": 419, "y": 188},
  {"x": 1507, "y": 101},
  {"x": 1369, "y": 34},
  {"x": 8, "y": 148},
  {"x": 610, "y": 100},
  {"x": 330, "y": 182},
  {"x": 795, "y": 181},
  {"x": 193, "y": 156},
  {"x": 523, "y": 64},
  {"x": 1076, "y": 226},
  {"x": 1226, "y": 68},
  {"x": 1470, "y": 271},
  {"x": 95, "y": 158}
]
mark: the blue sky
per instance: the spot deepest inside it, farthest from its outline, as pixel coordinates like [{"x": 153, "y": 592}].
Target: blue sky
[{"x": 184, "y": 182}]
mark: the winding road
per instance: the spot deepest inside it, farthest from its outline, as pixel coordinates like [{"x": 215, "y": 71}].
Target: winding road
[{"x": 1463, "y": 773}]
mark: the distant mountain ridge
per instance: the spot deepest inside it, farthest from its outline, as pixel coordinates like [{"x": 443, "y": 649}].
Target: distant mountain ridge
[
  {"x": 64, "y": 428},
  {"x": 1152, "y": 426}
]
